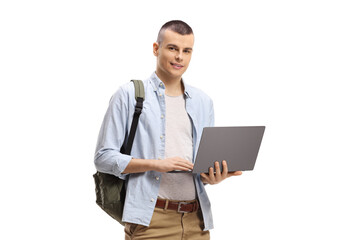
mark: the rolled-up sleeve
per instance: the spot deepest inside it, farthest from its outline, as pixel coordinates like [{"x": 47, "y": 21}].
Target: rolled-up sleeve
[{"x": 108, "y": 158}]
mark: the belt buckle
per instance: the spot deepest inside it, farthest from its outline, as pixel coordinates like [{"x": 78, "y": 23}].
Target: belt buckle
[{"x": 179, "y": 206}]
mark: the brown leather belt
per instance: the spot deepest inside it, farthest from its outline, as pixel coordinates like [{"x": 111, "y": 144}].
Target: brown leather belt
[{"x": 181, "y": 207}]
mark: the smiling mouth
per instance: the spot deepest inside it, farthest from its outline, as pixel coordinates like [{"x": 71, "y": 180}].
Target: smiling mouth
[{"x": 177, "y": 66}]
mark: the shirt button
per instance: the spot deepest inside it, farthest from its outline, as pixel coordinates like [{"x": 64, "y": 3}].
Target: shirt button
[
  {"x": 160, "y": 94},
  {"x": 157, "y": 178},
  {"x": 159, "y": 158},
  {"x": 152, "y": 200},
  {"x": 161, "y": 137},
  {"x": 162, "y": 116},
  {"x": 161, "y": 84}
]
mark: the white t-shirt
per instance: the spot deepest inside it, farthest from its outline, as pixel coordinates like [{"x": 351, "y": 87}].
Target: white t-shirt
[{"x": 178, "y": 143}]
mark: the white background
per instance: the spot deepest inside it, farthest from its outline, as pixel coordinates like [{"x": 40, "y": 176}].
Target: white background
[{"x": 289, "y": 65}]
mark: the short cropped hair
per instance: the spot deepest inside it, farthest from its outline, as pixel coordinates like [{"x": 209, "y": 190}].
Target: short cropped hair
[{"x": 177, "y": 26}]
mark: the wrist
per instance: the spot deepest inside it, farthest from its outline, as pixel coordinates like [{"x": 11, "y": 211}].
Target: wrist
[{"x": 153, "y": 165}]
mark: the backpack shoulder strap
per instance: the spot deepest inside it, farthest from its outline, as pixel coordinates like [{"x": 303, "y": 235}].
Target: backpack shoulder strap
[
  {"x": 139, "y": 89},
  {"x": 140, "y": 97}
]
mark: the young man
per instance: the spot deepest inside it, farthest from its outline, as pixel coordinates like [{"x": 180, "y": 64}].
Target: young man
[{"x": 161, "y": 205}]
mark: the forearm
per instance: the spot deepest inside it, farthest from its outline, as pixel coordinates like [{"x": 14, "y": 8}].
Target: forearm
[
  {"x": 165, "y": 165},
  {"x": 140, "y": 165}
]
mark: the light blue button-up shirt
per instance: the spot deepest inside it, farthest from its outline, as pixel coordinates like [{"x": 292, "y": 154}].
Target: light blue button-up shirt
[{"x": 149, "y": 143}]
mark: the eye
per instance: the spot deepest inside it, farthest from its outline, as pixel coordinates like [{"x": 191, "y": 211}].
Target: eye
[
  {"x": 187, "y": 51},
  {"x": 172, "y": 48}
]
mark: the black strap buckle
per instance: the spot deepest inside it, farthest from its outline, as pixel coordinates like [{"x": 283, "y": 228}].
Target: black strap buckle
[{"x": 139, "y": 105}]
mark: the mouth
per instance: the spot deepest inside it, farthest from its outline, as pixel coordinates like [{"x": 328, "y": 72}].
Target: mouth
[{"x": 176, "y": 66}]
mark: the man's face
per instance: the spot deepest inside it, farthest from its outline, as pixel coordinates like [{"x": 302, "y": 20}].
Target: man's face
[{"x": 173, "y": 55}]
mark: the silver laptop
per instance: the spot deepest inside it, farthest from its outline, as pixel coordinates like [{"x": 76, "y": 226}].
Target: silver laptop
[{"x": 239, "y": 146}]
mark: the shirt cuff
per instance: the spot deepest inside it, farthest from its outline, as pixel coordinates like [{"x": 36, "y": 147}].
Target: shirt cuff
[{"x": 121, "y": 166}]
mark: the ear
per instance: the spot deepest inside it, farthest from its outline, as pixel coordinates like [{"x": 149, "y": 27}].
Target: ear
[{"x": 156, "y": 49}]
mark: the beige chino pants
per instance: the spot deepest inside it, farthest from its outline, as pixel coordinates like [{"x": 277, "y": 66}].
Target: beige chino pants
[{"x": 169, "y": 225}]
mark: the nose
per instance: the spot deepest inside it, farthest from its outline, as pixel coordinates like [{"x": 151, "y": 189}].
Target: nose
[{"x": 179, "y": 56}]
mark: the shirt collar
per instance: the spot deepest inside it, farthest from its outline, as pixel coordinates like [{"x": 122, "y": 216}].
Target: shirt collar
[{"x": 157, "y": 83}]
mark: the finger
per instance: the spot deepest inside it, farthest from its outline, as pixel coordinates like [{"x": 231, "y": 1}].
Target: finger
[
  {"x": 218, "y": 172},
  {"x": 237, "y": 173},
  {"x": 205, "y": 177},
  {"x": 180, "y": 168},
  {"x": 187, "y": 166},
  {"x": 211, "y": 174},
  {"x": 183, "y": 167},
  {"x": 185, "y": 163},
  {"x": 225, "y": 169},
  {"x": 179, "y": 159}
]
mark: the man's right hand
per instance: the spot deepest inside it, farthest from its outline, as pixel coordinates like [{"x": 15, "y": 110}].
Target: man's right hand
[{"x": 173, "y": 163}]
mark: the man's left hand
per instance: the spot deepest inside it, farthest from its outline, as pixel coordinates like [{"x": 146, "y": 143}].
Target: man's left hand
[{"x": 219, "y": 176}]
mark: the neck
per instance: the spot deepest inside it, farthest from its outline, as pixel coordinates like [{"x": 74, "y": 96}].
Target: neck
[{"x": 173, "y": 86}]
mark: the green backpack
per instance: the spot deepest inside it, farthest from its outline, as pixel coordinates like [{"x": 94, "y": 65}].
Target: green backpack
[{"x": 110, "y": 190}]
